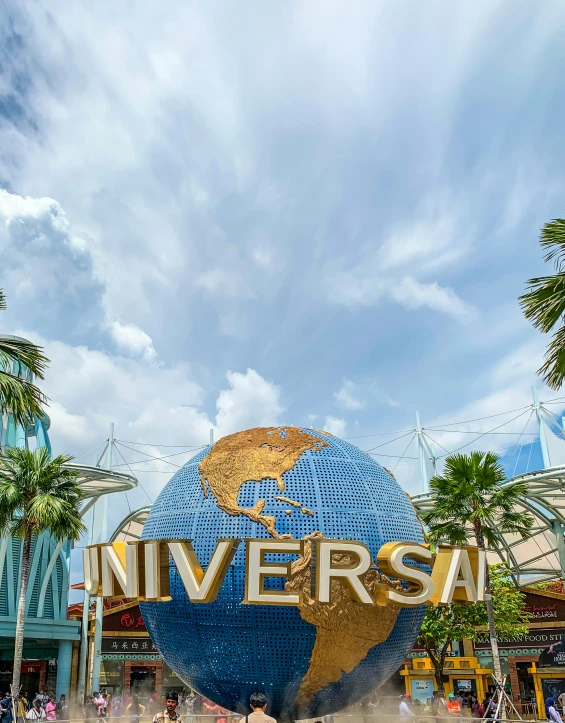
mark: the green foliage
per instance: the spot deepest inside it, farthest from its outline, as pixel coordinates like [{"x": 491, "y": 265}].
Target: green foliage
[
  {"x": 18, "y": 394},
  {"x": 455, "y": 622},
  {"x": 544, "y": 302},
  {"x": 444, "y": 624},
  {"x": 38, "y": 493},
  {"x": 470, "y": 500}
]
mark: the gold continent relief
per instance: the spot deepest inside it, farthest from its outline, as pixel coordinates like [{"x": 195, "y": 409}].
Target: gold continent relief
[{"x": 345, "y": 629}]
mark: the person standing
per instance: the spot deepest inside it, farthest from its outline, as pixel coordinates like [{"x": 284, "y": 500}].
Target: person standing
[
  {"x": 170, "y": 712},
  {"x": 100, "y": 703},
  {"x": 42, "y": 697},
  {"x": 551, "y": 712},
  {"x": 404, "y": 710},
  {"x": 135, "y": 710},
  {"x": 258, "y": 705},
  {"x": 22, "y": 707},
  {"x": 453, "y": 705},
  {"x": 63, "y": 708},
  {"x": 218, "y": 711},
  {"x": 36, "y": 712},
  {"x": 189, "y": 704},
  {"x": 51, "y": 709}
]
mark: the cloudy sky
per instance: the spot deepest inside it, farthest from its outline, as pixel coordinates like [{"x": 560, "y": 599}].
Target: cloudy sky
[{"x": 224, "y": 215}]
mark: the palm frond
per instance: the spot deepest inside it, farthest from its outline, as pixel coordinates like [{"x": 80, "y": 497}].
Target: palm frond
[
  {"x": 25, "y": 354},
  {"x": 544, "y": 301},
  {"x": 20, "y": 397},
  {"x": 552, "y": 237},
  {"x": 2, "y": 300},
  {"x": 450, "y": 532},
  {"x": 470, "y": 500},
  {"x": 553, "y": 368},
  {"x": 43, "y": 491}
]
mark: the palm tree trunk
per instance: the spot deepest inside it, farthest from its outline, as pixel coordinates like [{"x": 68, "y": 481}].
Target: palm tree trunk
[
  {"x": 20, "y": 619},
  {"x": 490, "y": 614},
  {"x": 492, "y": 632}
]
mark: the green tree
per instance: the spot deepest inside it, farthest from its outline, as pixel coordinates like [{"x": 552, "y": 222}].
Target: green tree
[
  {"x": 444, "y": 624},
  {"x": 470, "y": 500},
  {"x": 37, "y": 493},
  {"x": 544, "y": 302},
  {"x": 18, "y": 394}
]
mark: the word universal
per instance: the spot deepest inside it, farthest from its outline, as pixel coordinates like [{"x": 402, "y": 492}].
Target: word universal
[{"x": 410, "y": 573}]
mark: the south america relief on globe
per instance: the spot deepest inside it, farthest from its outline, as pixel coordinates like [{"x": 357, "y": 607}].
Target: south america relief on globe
[{"x": 278, "y": 482}]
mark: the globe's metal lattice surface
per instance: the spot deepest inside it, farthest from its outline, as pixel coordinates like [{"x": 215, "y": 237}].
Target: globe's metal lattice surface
[{"x": 226, "y": 650}]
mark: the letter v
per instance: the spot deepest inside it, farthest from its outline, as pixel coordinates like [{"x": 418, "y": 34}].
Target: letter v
[{"x": 203, "y": 587}]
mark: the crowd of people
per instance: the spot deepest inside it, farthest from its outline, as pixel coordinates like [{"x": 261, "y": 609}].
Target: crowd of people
[
  {"x": 455, "y": 705},
  {"x": 42, "y": 706},
  {"x": 191, "y": 706},
  {"x": 102, "y": 704}
]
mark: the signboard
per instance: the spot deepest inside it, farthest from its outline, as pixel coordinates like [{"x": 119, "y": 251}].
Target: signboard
[
  {"x": 128, "y": 645},
  {"x": 554, "y": 654},
  {"x": 130, "y": 620},
  {"x": 544, "y": 608},
  {"x": 422, "y": 690},
  {"x": 542, "y": 638},
  {"x": 464, "y": 686},
  {"x": 552, "y": 687},
  {"x": 140, "y": 571},
  {"x": 31, "y": 667}
]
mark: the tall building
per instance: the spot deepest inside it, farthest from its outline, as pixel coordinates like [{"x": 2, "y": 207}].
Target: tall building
[{"x": 49, "y": 635}]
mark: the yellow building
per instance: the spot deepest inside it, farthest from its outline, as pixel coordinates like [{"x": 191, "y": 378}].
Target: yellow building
[{"x": 460, "y": 674}]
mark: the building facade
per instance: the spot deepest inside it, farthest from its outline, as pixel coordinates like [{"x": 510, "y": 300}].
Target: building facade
[
  {"x": 49, "y": 635},
  {"x": 130, "y": 664},
  {"x": 51, "y": 639}
]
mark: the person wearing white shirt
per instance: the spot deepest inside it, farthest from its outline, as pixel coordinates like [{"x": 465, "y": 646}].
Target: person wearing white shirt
[{"x": 404, "y": 710}]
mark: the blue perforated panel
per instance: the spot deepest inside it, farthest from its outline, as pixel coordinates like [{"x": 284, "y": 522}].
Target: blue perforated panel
[{"x": 227, "y": 650}]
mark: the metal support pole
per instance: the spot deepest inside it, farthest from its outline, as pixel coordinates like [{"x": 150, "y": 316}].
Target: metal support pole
[
  {"x": 542, "y": 438},
  {"x": 425, "y": 453},
  {"x": 100, "y": 535},
  {"x": 211, "y": 437},
  {"x": 83, "y": 660},
  {"x": 558, "y": 532}
]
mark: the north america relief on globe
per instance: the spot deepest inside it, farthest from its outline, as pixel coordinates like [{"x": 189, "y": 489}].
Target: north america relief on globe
[{"x": 282, "y": 482}]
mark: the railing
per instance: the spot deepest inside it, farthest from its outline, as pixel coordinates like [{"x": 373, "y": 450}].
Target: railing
[{"x": 362, "y": 717}]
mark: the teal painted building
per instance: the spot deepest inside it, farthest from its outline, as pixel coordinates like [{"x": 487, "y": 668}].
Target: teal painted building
[{"x": 49, "y": 635}]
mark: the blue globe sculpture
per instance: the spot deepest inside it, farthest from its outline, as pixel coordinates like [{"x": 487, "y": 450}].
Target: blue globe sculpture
[{"x": 274, "y": 482}]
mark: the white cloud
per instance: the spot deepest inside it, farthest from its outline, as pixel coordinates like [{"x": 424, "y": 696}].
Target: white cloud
[
  {"x": 398, "y": 266},
  {"x": 351, "y": 289},
  {"x": 335, "y": 426},
  {"x": 345, "y": 396},
  {"x": 133, "y": 340},
  {"x": 413, "y": 294},
  {"x": 152, "y": 404},
  {"x": 61, "y": 279},
  {"x": 44, "y": 263},
  {"x": 250, "y": 401}
]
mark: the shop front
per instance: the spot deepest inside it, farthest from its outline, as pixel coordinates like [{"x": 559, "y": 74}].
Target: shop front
[
  {"x": 520, "y": 656},
  {"x": 131, "y": 665},
  {"x": 39, "y": 666},
  {"x": 462, "y": 674}
]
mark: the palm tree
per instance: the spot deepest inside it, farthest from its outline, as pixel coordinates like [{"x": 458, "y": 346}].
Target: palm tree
[
  {"x": 18, "y": 359},
  {"x": 544, "y": 302},
  {"x": 37, "y": 493},
  {"x": 470, "y": 500}
]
